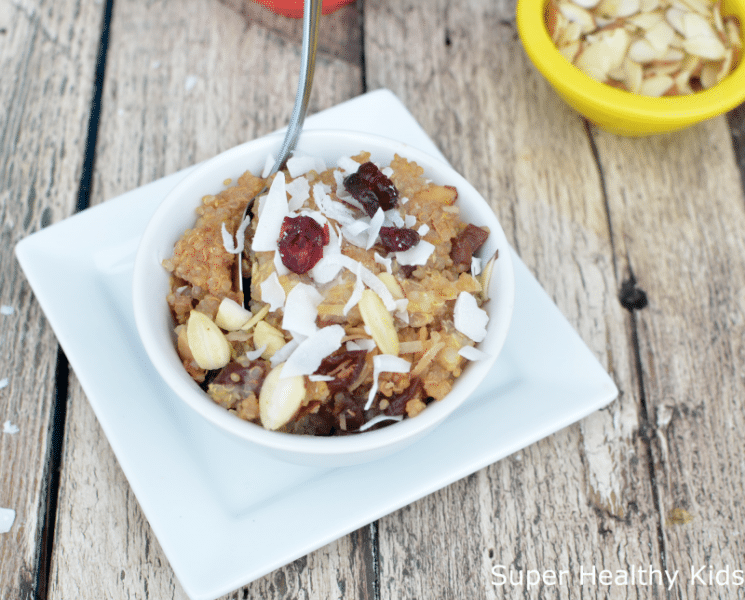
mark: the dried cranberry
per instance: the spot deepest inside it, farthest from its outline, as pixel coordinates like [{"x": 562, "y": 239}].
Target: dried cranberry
[
  {"x": 468, "y": 241},
  {"x": 371, "y": 188},
  {"x": 301, "y": 242},
  {"x": 396, "y": 239}
]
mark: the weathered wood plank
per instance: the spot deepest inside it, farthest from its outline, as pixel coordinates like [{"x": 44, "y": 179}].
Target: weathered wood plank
[
  {"x": 184, "y": 81},
  {"x": 461, "y": 71},
  {"x": 681, "y": 229},
  {"x": 47, "y": 61}
]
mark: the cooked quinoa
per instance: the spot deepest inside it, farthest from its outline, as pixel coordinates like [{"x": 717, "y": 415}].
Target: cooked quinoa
[{"x": 336, "y": 290}]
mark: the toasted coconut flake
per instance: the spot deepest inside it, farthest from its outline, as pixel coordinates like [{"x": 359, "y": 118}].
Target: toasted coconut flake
[
  {"x": 359, "y": 287},
  {"x": 284, "y": 352},
  {"x": 365, "y": 344},
  {"x": 256, "y": 354}
]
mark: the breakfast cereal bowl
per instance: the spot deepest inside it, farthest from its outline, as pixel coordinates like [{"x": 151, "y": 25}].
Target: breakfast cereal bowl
[
  {"x": 155, "y": 319},
  {"x": 616, "y": 110}
]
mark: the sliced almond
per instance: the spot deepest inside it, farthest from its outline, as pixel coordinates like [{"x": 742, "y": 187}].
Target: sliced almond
[
  {"x": 485, "y": 277},
  {"x": 694, "y": 26},
  {"x": 656, "y": 86},
  {"x": 634, "y": 75},
  {"x": 645, "y": 20},
  {"x": 674, "y": 16},
  {"x": 618, "y": 8},
  {"x": 577, "y": 14},
  {"x": 231, "y": 316},
  {"x": 699, "y": 6},
  {"x": 648, "y": 5},
  {"x": 390, "y": 281},
  {"x": 642, "y": 51},
  {"x": 660, "y": 37},
  {"x": 379, "y": 321},
  {"x": 208, "y": 345},
  {"x": 280, "y": 398},
  {"x": 705, "y": 47}
]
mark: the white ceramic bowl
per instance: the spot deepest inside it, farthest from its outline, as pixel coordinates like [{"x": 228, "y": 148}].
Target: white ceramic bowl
[{"x": 176, "y": 214}]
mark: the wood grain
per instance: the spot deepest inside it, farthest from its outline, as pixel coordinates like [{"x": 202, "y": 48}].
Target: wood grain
[
  {"x": 499, "y": 124},
  {"x": 680, "y": 230},
  {"x": 47, "y": 60},
  {"x": 184, "y": 81}
]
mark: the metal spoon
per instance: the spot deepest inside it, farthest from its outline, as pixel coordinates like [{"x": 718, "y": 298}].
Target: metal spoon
[{"x": 311, "y": 17}]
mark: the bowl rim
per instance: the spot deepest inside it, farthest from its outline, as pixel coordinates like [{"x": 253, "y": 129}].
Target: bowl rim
[
  {"x": 318, "y": 446},
  {"x": 573, "y": 83}
]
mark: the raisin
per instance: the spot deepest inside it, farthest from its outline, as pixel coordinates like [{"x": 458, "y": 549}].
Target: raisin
[
  {"x": 301, "y": 242},
  {"x": 396, "y": 239},
  {"x": 371, "y": 188},
  {"x": 344, "y": 367},
  {"x": 397, "y": 403},
  {"x": 468, "y": 241}
]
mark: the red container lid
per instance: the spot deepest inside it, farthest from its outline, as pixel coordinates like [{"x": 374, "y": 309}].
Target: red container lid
[{"x": 294, "y": 8}]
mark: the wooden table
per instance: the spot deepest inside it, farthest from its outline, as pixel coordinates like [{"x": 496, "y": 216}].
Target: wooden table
[{"x": 103, "y": 96}]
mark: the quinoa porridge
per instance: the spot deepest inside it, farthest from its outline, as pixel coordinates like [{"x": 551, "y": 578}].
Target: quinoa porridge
[{"x": 364, "y": 296}]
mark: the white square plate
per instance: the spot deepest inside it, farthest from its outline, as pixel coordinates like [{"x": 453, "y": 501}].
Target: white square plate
[{"x": 223, "y": 523}]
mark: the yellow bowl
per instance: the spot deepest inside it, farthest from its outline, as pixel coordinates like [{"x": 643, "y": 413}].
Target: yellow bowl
[{"x": 616, "y": 110}]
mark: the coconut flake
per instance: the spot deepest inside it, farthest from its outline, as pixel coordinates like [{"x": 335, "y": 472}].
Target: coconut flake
[
  {"x": 387, "y": 171},
  {"x": 284, "y": 352},
  {"x": 471, "y": 353},
  {"x": 394, "y": 218},
  {"x": 6, "y": 310},
  {"x": 389, "y": 364},
  {"x": 3, "y": 383},
  {"x": 8, "y": 427},
  {"x": 403, "y": 200},
  {"x": 272, "y": 292},
  {"x": 300, "y": 165},
  {"x": 468, "y": 318},
  {"x": 359, "y": 287},
  {"x": 301, "y": 310},
  {"x": 365, "y": 344},
  {"x": 475, "y": 265},
  {"x": 409, "y": 221},
  {"x": 268, "y": 165},
  {"x": 385, "y": 261},
  {"x": 378, "y": 419},
  {"x": 309, "y": 354},
  {"x": 235, "y": 246},
  {"x": 331, "y": 208},
  {"x": 320, "y": 378},
  {"x": 7, "y": 516},
  {"x": 374, "y": 229},
  {"x": 348, "y": 164},
  {"x": 417, "y": 255},
  {"x": 423, "y": 230},
  {"x": 270, "y": 220},
  {"x": 299, "y": 190},
  {"x": 279, "y": 266},
  {"x": 255, "y": 354}
]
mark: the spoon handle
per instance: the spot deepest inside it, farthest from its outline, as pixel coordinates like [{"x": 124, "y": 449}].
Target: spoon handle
[{"x": 311, "y": 18}]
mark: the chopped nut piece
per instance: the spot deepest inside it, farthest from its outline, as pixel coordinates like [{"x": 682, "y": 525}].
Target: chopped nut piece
[
  {"x": 280, "y": 398},
  {"x": 207, "y": 343}
]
